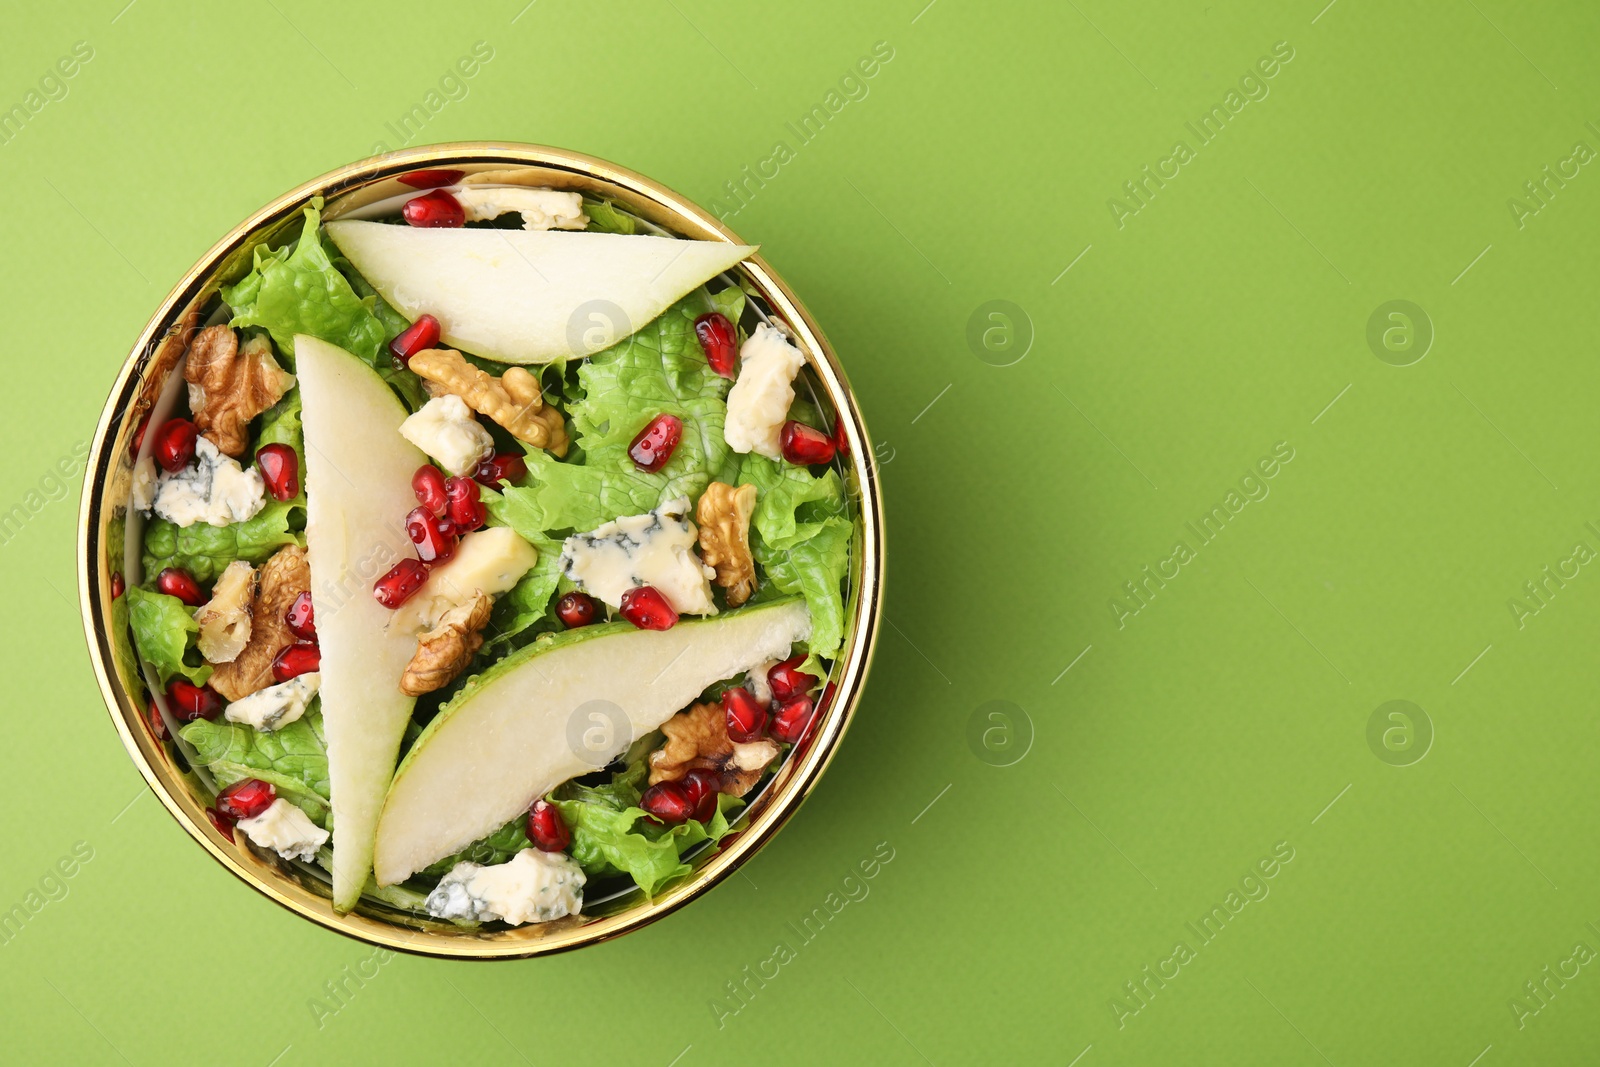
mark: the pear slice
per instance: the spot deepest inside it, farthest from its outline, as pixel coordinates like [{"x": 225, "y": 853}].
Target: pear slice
[
  {"x": 554, "y": 710},
  {"x": 358, "y": 490},
  {"x": 530, "y": 297}
]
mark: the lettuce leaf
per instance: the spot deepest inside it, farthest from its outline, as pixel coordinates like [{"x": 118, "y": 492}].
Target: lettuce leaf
[
  {"x": 658, "y": 369},
  {"x": 164, "y": 629},
  {"x": 293, "y": 759},
  {"x": 606, "y": 217},
  {"x": 499, "y": 847},
  {"x": 204, "y": 550},
  {"x": 297, "y": 289},
  {"x": 609, "y": 840},
  {"x": 527, "y": 602},
  {"x": 815, "y": 568},
  {"x": 785, "y": 490}
]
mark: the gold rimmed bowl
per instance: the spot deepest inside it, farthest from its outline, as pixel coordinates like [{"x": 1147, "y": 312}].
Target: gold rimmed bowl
[{"x": 110, "y": 536}]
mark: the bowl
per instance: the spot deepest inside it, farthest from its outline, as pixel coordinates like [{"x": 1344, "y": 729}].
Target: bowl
[{"x": 109, "y": 537}]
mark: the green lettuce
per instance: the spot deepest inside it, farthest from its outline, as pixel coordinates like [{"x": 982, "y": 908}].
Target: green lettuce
[
  {"x": 204, "y": 550},
  {"x": 782, "y": 515},
  {"x": 294, "y": 759},
  {"x": 814, "y": 568},
  {"x": 164, "y": 629},
  {"x": 297, "y": 289},
  {"x": 659, "y": 369},
  {"x": 606, "y": 217},
  {"x": 499, "y": 847}
]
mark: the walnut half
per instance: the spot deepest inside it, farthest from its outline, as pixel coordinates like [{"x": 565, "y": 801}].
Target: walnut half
[
  {"x": 699, "y": 738},
  {"x": 513, "y": 400},
  {"x": 724, "y": 517},
  {"x": 230, "y": 385},
  {"x": 224, "y": 620},
  {"x": 445, "y": 651},
  {"x": 283, "y": 577}
]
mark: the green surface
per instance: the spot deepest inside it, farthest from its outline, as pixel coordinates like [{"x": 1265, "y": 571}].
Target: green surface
[{"x": 1229, "y": 714}]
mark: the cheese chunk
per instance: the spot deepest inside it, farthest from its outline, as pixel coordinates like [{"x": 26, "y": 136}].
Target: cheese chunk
[
  {"x": 446, "y": 429},
  {"x": 759, "y": 401},
  {"x": 541, "y": 209},
  {"x": 654, "y": 549},
  {"x": 490, "y": 561},
  {"x": 533, "y": 886},
  {"x": 276, "y": 706},
  {"x": 286, "y": 830},
  {"x": 213, "y": 490}
]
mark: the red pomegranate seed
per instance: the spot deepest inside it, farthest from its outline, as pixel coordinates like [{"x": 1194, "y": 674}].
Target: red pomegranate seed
[
  {"x": 297, "y": 659},
  {"x": 418, "y": 337},
  {"x": 787, "y": 680},
  {"x": 158, "y": 725},
  {"x": 191, "y": 702},
  {"x": 138, "y": 434},
  {"x": 576, "y": 609},
  {"x": 434, "y": 209},
  {"x": 400, "y": 583},
  {"x": 302, "y": 617},
  {"x": 701, "y": 786},
  {"x": 803, "y": 446},
  {"x": 428, "y": 484},
  {"x": 654, "y": 445},
  {"x": 246, "y": 799},
  {"x": 280, "y": 469},
  {"x": 462, "y": 504},
  {"x": 180, "y": 583},
  {"x": 841, "y": 440},
  {"x": 174, "y": 444},
  {"x": 793, "y": 718},
  {"x": 431, "y": 179},
  {"x": 669, "y": 802},
  {"x": 647, "y": 609},
  {"x": 223, "y": 824},
  {"x": 719, "y": 340},
  {"x": 746, "y": 717},
  {"x": 503, "y": 467},
  {"x": 118, "y": 586},
  {"x": 434, "y": 537},
  {"x": 547, "y": 829}
]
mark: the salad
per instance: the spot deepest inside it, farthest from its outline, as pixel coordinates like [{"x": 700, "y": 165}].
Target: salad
[{"x": 493, "y": 555}]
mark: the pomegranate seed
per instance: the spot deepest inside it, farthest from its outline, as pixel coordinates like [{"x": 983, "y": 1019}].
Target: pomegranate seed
[
  {"x": 547, "y": 829},
  {"x": 302, "y": 617},
  {"x": 654, "y": 445},
  {"x": 647, "y": 609},
  {"x": 669, "y": 802},
  {"x": 191, "y": 702},
  {"x": 434, "y": 537},
  {"x": 431, "y": 179},
  {"x": 434, "y": 209},
  {"x": 787, "y": 681},
  {"x": 138, "y": 434},
  {"x": 462, "y": 504},
  {"x": 118, "y": 586},
  {"x": 803, "y": 446},
  {"x": 246, "y": 799},
  {"x": 576, "y": 609},
  {"x": 701, "y": 786},
  {"x": 746, "y": 717},
  {"x": 223, "y": 824},
  {"x": 719, "y": 340},
  {"x": 428, "y": 484},
  {"x": 174, "y": 444},
  {"x": 158, "y": 725},
  {"x": 297, "y": 659},
  {"x": 418, "y": 337},
  {"x": 841, "y": 441},
  {"x": 181, "y": 584},
  {"x": 400, "y": 583},
  {"x": 793, "y": 718},
  {"x": 504, "y": 467},
  {"x": 280, "y": 469}
]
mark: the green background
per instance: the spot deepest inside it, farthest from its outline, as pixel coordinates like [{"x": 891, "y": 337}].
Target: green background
[{"x": 1185, "y": 743}]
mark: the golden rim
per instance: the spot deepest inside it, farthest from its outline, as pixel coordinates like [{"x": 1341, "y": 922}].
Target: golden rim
[{"x": 795, "y": 779}]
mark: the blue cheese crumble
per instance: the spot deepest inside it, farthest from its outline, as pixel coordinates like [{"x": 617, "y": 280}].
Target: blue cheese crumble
[{"x": 533, "y": 887}]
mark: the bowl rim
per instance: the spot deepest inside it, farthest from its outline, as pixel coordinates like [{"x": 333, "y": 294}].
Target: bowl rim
[{"x": 114, "y": 430}]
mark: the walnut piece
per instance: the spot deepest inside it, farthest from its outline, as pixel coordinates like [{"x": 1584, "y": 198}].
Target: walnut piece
[
  {"x": 283, "y": 577},
  {"x": 224, "y": 620},
  {"x": 444, "y": 651},
  {"x": 724, "y": 517},
  {"x": 513, "y": 400},
  {"x": 230, "y": 385},
  {"x": 699, "y": 738}
]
